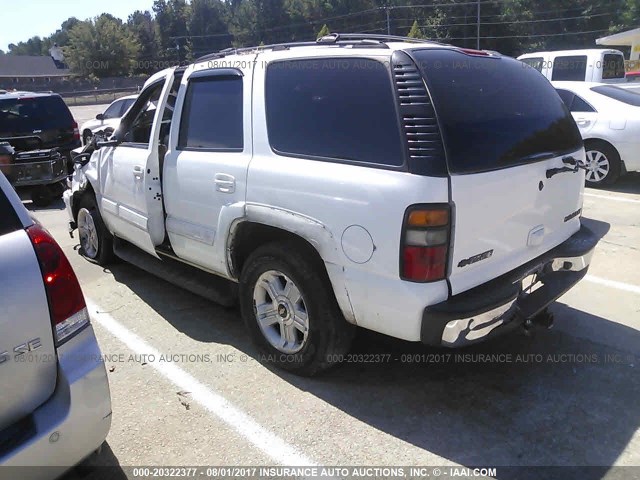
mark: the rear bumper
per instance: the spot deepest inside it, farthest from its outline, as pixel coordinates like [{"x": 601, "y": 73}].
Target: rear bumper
[
  {"x": 73, "y": 423},
  {"x": 501, "y": 305}
]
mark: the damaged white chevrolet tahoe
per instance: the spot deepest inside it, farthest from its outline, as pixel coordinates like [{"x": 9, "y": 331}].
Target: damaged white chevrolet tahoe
[{"x": 420, "y": 190}]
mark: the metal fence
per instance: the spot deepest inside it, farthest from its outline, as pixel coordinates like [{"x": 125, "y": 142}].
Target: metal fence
[{"x": 97, "y": 97}]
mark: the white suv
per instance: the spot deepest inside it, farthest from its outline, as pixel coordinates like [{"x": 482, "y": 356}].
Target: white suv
[{"x": 405, "y": 187}]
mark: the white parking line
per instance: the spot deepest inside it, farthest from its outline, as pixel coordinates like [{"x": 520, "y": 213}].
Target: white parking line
[
  {"x": 612, "y": 198},
  {"x": 627, "y": 287},
  {"x": 214, "y": 403}
]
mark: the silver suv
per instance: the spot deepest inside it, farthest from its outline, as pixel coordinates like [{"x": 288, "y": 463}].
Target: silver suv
[{"x": 55, "y": 405}]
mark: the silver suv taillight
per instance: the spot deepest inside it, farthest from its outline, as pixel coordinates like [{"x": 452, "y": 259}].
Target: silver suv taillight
[{"x": 67, "y": 307}]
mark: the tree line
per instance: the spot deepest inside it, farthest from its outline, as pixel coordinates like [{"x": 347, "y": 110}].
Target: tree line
[{"x": 177, "y": 31}]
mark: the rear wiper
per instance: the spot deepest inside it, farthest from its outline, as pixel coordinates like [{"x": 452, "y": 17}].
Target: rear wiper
[{"x": 575, "y": 165}]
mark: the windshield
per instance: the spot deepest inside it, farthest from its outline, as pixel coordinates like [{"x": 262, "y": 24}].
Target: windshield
[
  {"x": 620, "y": 94},
  {"x": 26, "y": 115},
  {"x": 488, "y": 114}
]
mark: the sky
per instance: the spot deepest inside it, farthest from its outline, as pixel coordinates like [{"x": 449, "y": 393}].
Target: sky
[{"x": 22, "y": 19}]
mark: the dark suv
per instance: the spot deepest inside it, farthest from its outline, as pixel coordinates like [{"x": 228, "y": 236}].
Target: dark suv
[
  {"x": 36, "y": 121},
  {"x": 37, "y": 134}
]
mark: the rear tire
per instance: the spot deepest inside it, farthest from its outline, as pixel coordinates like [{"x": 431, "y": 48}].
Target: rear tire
[
  {"x": 302, "y": 329},
  {"x": 603, "y": 164},
  {"x": 96, "y": 242}
]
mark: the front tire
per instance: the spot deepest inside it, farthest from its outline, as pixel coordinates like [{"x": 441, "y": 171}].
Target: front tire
[
  {"x": 96, "y": 242},
  {"x": 290, "y": 311},
  {"x": 603, "y": 164}
]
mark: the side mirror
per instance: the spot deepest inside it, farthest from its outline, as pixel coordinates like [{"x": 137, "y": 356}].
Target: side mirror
[{"x": 100, "y": 116}]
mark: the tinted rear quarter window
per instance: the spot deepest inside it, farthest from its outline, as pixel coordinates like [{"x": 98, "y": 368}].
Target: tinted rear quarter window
[
  {"x": 574, "y": 102},
  {"x": 212, "y": 115},
  {"x": 621, "y": 94},
  {"x": 580, "y": 105},
  {"x": 612, "y": 66},
  {"x": 486, "y": 112},
  {"x": 34, "y": 113},
  {"x": 570, "y": 68},
  {"x": 9, "y": 221},
  {"x": 338, "y": 109},
  {"x": 566, "y": 96}
]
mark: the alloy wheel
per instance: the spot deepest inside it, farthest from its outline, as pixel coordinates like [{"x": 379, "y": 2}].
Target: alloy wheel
[{"x": 281, "y": 312}]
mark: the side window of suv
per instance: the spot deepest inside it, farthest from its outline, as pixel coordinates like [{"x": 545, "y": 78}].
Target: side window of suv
[
  {"x": 570, "y": 67},
  {"x": 333, "y": 109},
  {"x": 534, "y": 62},
  {"x": 142, "y": 113},
  {"x": 212, "y": 116}
]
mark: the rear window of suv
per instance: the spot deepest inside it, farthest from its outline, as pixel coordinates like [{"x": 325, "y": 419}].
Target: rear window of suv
[
  {"x": 495, "y": 112},
  {"x": 570, "y": 68},
  {"x": 27, "y": 114},
  {"x": 613, "y": 66},
  {"x": 335, "y": 109}
]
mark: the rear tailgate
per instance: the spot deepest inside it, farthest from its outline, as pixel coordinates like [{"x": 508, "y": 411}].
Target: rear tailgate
[
  {"x": 505, "y": 131},
  {"x": 28, "y": 363}
]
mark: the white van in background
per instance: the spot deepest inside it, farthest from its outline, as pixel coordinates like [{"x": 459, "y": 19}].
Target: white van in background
[{"x": 588, "y": 65}]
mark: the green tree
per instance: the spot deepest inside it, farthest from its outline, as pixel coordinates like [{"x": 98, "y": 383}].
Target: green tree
[
  {"x": 143, "y": 28},
  {"x": 208, "y": 26},
  {"x": 33, "y": 46},
  {"x": 171, "y": 23},
  {"x": 416, "y": 31},
  {"x": 102, "y": 47},
  {"x": 324, "y": 31},
  {"x": 255, "y": 21},
  {"x": 60, "y": 36}
]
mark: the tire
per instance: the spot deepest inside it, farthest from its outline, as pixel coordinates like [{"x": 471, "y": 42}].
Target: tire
[
  {"x": 306, "y": 336},
  {"x": 603, "y": 164},
  {"x": 96, "y": 242},
  {"x": 42, "y": 196}
]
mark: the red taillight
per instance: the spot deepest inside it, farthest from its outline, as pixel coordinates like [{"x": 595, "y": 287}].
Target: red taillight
[
  {"x": 472, "y": 51},
  {"x": 76, "y": 131},
  {"x": 425, "y": 243},
  {"x": 66, "y": 302}
]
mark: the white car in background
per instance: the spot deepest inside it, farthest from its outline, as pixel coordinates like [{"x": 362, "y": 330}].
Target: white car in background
[
  {"x": 109, "y": 118},
  {"x": 608, "y": 117}
]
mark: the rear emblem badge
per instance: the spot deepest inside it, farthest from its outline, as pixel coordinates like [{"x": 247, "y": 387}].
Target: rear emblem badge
[{"x": 475, "y": 259}]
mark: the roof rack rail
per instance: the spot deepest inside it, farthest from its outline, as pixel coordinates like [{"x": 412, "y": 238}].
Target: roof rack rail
[
  {"x": 338, "y": 37},
  {"x": 235, "y": 51},
  {"x": 356, "y": 39}
]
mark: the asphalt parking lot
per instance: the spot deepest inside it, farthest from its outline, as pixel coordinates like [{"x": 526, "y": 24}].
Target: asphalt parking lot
[{"x": 187, "y": 388}]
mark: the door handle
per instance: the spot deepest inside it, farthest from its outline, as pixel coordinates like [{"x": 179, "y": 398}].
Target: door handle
[
  {"x": 582, "y": 122},
  {"x": 137, "y": 172},
  {"x": 225, "y": 183}
]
